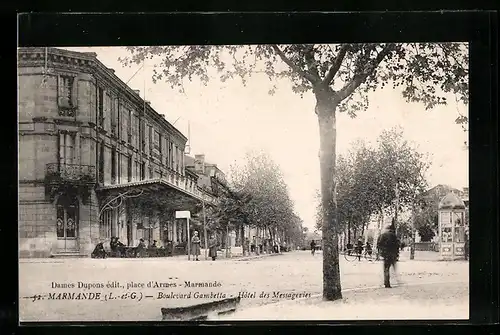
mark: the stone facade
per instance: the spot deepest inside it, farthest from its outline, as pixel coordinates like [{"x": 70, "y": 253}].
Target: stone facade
[{"x": 80, "y": 125}]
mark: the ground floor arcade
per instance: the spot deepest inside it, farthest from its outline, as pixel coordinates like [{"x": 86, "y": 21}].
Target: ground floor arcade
[{"x": 72, "y": 224}]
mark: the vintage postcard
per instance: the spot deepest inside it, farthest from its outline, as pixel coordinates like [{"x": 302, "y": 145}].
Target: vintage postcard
[{"x": 243, "y": 182}]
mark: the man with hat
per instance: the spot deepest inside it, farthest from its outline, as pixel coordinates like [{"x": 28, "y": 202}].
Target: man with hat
[{"x": 388, "y": 247}]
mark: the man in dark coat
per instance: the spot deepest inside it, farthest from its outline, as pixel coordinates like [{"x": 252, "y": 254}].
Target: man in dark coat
[
  {"x": 99, "y": 251},
  {"x": 389, "y": 249},
  {"x": 313, "y": 247},
  {"x": 212, "y": 247}
]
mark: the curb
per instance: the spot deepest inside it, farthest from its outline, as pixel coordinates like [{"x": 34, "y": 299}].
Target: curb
[
  {"x": 255, "y": 257},
  {"x": 170, "y": 259},
  {"x": 200, "y": 311}
]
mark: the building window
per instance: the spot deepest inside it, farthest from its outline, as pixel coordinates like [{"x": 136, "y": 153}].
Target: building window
[
  {"x": 65, "y": 95},
  {"x": 67, "y": 148},
  {"x": 174, "y": 157},
  {"x": 129, "y": 169},
  {"x": 113, "y": 165},
  {"x": 129, "y": 135},
  {"x": 142, "y": 134},
  {"x": 67, "y": 217},
  {"x": 151, "y": 176},
  {"x": 100, "y": 107},
  {"x": 118, "y": 118},
  {"x": 101, "y": 163},
  {"x": 160, "y": 148},
  {"x": 118, "y": 167},
  {"x": 169, "y": 158},
  {"x": 150, "y": 137},
  {"x": 106, "y": 224},
  {"x": 143, "y": 171},
  {"x": 113, "y": 116}
]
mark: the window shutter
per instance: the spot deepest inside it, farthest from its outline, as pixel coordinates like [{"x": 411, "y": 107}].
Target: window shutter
[
  {"x": 93, "y": 103},
  {"x": 74, "y": 92},
  {"x": 59, "y": 151}
]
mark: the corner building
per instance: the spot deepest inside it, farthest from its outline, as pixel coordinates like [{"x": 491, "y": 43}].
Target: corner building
[{"x": 95, "y": 160}]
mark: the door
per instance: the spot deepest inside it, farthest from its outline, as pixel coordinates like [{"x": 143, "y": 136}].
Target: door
[{"x": 67, "y": 224}]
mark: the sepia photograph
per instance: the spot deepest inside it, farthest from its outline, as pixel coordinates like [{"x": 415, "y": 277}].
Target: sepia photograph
[{"x": 244, "y": 182}]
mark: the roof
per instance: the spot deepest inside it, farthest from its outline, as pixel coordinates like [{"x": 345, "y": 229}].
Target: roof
[
  {"x": 30, "y": 52},
  {"x": 451, "y": 201},
  {"x": 188, "y": 160},
  {"x": 442, "y": 189}
]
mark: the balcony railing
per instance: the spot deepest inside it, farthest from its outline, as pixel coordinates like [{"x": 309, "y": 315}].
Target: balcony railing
[
  {"x": 77, "y": 173},
  {"x": 192, "y": 188}
]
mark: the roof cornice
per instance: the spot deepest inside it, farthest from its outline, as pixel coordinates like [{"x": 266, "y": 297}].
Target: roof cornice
[{"x": 88, "y": 60}]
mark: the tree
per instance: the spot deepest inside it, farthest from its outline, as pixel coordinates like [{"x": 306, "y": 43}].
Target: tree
[
  {"x": 269, "y": 206},
  {"x": 340, "y": 77}
]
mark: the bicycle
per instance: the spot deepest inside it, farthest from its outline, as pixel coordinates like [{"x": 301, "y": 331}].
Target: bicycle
[{"x": 351, "y": 255}]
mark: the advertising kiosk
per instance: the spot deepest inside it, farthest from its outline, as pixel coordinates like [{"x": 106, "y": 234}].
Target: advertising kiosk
[{"x": 452, "y": 227}]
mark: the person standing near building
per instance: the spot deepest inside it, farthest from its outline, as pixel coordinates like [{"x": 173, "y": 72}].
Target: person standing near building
[
  {"x": 313, "y": 247},
  {"x": 389, "y": 250},
  {"x": 195, "y": 246},
  {"x": 212, "y": 247}
]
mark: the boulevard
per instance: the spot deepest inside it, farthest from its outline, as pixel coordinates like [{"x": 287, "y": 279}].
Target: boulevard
[{"x": 136, "y": 289}]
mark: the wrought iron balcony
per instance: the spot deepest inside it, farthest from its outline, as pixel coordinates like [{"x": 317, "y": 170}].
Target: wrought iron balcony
[{"x": 75, "y": 173}]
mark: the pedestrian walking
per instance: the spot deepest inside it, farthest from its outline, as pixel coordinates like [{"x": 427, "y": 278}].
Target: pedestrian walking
[
  {"x": 359, "y": 248},
  {"x": 140, "y": 250},
  {"x": 389, "y": 250},
  {"x": 212, "y": 247},
  {"x": 313, "y": 247},
  {"x": 195, "y": 246}
]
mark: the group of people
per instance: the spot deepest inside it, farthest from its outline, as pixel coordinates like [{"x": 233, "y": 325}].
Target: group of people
[
  {"x": 196, "y": 249},
  {"x": 118, "y": 249}
]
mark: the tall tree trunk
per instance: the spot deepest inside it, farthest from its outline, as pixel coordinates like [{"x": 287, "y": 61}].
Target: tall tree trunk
[
  {"x": 325, "y": 109},
  {"x": 349, "y": 232},
  {"x": 270, "y": 241},
  {"x": 413, "y": 235}
]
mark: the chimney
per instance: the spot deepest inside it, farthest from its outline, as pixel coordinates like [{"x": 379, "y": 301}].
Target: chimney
[
  {"x": 112, "y": 70},
  {"x": 199, "y": 163},
  {"x": 138, "y": 92},
  {"x": 148, "y": 102}
]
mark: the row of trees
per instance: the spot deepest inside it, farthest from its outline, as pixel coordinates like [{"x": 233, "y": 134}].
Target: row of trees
[
  {"x": 340, "y": 76},
  {"x": 372, "y": 180},
  {"x": 257, "y": 197}
]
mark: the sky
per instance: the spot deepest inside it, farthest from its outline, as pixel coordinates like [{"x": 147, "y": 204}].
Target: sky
[{"x": 227, "y": 119}]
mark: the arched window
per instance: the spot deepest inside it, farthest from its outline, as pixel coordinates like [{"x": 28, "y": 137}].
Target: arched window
[{"x": 67, "y": 217}]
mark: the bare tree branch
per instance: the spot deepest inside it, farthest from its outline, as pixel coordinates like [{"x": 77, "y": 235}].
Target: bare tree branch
[
  {"x": 293, "y": 66},
  {"x": 359, "y": 78},
  {"x": 337, "y": 62}
]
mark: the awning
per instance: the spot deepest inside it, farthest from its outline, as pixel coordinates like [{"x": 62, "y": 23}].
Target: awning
[{"x": 175, "y": 196}]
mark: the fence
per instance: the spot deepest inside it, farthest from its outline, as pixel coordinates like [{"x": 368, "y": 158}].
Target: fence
[{"x": 426, "y": 246}]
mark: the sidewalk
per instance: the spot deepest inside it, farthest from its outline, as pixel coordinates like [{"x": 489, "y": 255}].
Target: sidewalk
[
  {"x": 220, "y": 257},
  {"x": 438, "y": 300}
]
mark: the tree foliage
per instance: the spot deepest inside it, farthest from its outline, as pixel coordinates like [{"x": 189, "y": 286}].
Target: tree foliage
[
  {"x": 367, "y": 178},
  {"x": 260, "y": 198},
  {"x": 425, "y": 72}
]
